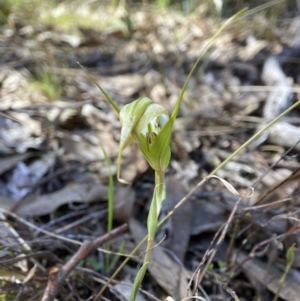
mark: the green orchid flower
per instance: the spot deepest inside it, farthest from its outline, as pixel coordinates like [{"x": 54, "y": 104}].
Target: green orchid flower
[{"x": 148, "y": 125}]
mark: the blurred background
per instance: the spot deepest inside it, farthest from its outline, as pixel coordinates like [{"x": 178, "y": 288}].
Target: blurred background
[{"x": 56, "y": 127}]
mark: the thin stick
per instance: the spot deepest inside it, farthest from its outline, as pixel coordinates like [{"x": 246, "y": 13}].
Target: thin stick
[{"x": 57, "y": 275}]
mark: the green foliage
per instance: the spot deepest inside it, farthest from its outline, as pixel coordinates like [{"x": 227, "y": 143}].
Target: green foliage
[
  {"x": 222, "y": 264},
  {"x": 138, "y": 280},
  {"x": 24, "y": 10},
  {"x": 5, "y": 11},
  {"x": 6, "y": 297},
  {"x": 110, "y": 210},
  {"x": 70, "y": 16},
  {"x": 290, "y": 255},
  {"x": 163, "y": 3},
  {"x": 116, "y": 257},
  {"x": 264, "y": 19},
  {"x": 48, "y": 83},
  {"x": 138, "y": 125},
  {"x": 94, "y": 263},
  {"x": 66, "y": 15}
]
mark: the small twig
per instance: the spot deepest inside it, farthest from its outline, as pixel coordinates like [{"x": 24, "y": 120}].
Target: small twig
[
  {"x": 270, "y": 168},
  {"x": 43, "y": 254},
  {"x": 56, "y": 236},
  {"x": 198, "y": 275},
  {"x": 57, "y": 275},
  {"x": 254, "y": 253},
  {"x": 294, "y": 175},
  {"x": 103, "y": 280},
  {"x": 231, "y": 292},
  {"x": 155, "y": 246},
  {"x": 206, "y": 255}
]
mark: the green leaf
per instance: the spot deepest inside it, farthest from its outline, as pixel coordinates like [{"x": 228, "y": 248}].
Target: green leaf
[
  {"x": 129, "y": 117},
  {"x": 290, "y": 254},
  {"x": 160, "y": 148},
  {"x": 205, "y": 49},
  {"x": 138, "y": 281},
  {"x": 152, "y": 217},
  {"x": 109, "y": 99}
]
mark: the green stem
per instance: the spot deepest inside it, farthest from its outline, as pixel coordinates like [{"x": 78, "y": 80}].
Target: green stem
[
  {"x": 160, "y": 189},
  {"x": 159, "y": 195}
]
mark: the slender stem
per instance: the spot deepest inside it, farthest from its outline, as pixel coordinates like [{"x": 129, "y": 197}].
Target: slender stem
[
  {"x": 160, "y": 189},
  {"x": 110, "y": 100},
  {"x": 207, "y": 46},
  {"x": 156, "y": 203},
  {"x": 120, "y": 267}
]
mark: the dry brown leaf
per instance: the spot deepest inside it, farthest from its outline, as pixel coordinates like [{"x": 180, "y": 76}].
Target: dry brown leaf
[
  {"x": 7, "y": 163},
  {"x": 285, "y": 134},
  {"x": 282, "y": 95},
  {"x": 124, "y": 201},
  {"x": 207, "y": 216},
  {"x": 72, "y": 193},
  {"x": 253, "y": 47},
  {"x": 180, "y": 223},
  {"x": 135, "y": 163},
  {"x": 80, "y": 147},
  {"x": 75, "y": 193},
  {"x": 124, "y": 85},
  {"x": 125, "y": 291},
  {"x": 21, "y": 135},
  {"x": 256, "y": 269}
]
